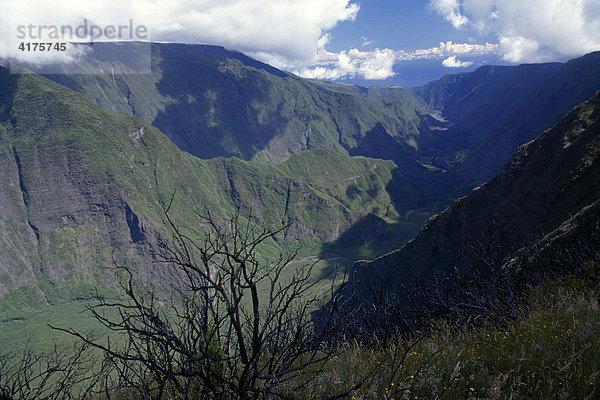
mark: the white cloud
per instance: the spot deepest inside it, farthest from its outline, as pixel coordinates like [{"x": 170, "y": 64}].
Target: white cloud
[
  {"x": 285, "y": 29},
  {"x": 533, "y": 30},
  {"x": 450, "y": 48},
  {"x": 519, "y": 48},
  {"x": 453, "y": 62},
  {"x": 450, "y": 9},
  {"x": 378, "y": 64}
]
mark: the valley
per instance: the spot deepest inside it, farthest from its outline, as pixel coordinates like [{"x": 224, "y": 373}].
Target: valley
[
  {"x": 389, "y": 185},
  {"x": 291, "y": 151}
]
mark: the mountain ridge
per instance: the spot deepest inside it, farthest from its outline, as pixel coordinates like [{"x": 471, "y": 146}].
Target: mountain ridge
[
  {"x": 547, "y": 181},
  {"x": 213, "y": 102}
]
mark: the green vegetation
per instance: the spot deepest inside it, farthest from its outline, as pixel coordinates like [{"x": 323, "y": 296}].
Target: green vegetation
[
  {"x": 550, "y": 353},
  {"x": 82, "y": 185},
  {"x": 353, "y": 172}
]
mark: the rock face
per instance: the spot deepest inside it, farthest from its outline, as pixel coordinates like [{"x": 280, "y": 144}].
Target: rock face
[
  {"x": 547, "y": 181},
  {"x": 82, "y": 186}
]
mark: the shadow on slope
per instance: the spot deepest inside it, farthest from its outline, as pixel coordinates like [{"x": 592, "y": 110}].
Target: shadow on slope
[
  {"x": 373, "y": 235},
  {"x": 209, "y": 100}
]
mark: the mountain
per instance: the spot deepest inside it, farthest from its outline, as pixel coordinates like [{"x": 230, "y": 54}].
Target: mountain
[
  {"x": 575, "y": 82},
  {"x": 213, "y": 102},
  {"x": 487, "y": 114},
  {"x": 533, "y": 200},
  {"x": 81, "y": 185},
  {"x": 477, "y": 101}
]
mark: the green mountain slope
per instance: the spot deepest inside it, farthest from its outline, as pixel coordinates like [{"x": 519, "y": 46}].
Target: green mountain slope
[
  {"x": 548, "y": 180},
  {"x": 212, "y": 102},
  {"x": 81, "y": 185}
]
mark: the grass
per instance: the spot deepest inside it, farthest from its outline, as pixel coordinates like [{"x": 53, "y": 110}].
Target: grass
[
  {"x": 31, "y": 326},
  {"x": 552, "y": 353}
]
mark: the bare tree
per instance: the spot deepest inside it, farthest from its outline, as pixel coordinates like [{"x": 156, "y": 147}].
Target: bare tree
[
  {"x": 234, "y": 325},
  {"x": 61, "y": 373}
]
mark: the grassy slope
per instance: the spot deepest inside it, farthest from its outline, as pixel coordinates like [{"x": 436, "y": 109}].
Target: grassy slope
[
  {"x": 550, "y": 353},
  {"x": 81, "y": 184}
]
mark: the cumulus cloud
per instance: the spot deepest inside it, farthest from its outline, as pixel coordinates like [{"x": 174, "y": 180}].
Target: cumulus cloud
[
  {"x": 285, "y": 29},
  {"x": 453, "y": 62},
  {"x": 530, "y": 31},
  {"x": 378, "y": 64},
  {"x": 450, "y": 48},
  {"x": 450, "y": 9}
]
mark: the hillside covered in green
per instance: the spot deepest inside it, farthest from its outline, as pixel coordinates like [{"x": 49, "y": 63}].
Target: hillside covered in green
[{"x": 83, "y": 186}]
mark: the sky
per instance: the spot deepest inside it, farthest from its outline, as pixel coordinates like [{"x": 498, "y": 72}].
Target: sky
[{"x": 367, "y": 41}]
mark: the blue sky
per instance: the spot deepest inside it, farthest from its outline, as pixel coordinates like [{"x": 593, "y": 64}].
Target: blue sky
[
  {"x": 406, "y": 25},
  {"x": 371, "y": 42},
  {"x": 395, "y": 24}
]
